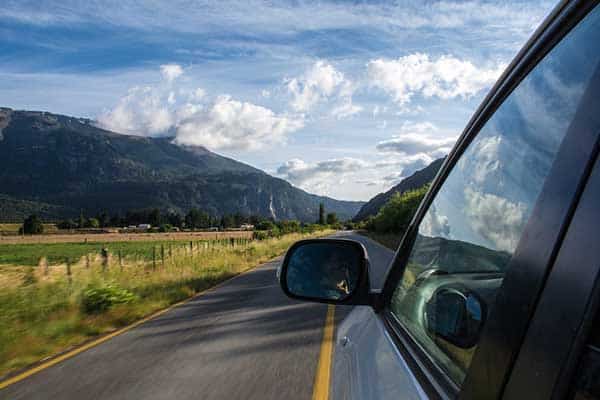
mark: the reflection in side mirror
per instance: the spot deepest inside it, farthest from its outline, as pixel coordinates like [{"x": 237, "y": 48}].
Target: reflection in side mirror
[
  {"x": 324, "y": 269},
  {"x": 455, "y": 316}
]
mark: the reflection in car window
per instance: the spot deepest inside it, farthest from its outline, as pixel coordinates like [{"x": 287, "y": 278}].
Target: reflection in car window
[{"x": 475, "y": 222}]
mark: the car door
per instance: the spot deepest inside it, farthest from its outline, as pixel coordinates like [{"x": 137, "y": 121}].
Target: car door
[{"x": 466, "y": 278}]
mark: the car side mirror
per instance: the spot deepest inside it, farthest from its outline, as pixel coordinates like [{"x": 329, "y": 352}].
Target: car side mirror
[
  {"x": 455, "y": 316},
  {"x": 326, "y": 270}
]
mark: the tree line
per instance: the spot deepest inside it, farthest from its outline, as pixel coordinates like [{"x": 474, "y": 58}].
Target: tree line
[{"x": 167, "y": 220}]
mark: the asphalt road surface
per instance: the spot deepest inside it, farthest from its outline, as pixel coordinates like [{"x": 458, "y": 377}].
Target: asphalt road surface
[{"x": 244, "y": 340}]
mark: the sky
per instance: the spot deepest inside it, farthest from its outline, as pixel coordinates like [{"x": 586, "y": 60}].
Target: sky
[{"x": 340, "y": 98}]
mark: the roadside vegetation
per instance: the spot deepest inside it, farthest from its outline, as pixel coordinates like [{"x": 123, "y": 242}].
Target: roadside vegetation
[
  {"x": 392, "y": 220},
  {"x": 54, "y": 296}
]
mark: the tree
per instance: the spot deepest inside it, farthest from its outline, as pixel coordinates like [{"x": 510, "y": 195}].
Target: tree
[
  {"x": 81, "y": 221},
  {"x": 92, "y": 223},
  {"x": 396, "y": 214},
  {"x": 321, "y": 214},
  {"x": 32, "y": 225},
  {"x": 175, "y": 219},
  {"x": 332, "y": 218},
  {"x": 264, "y": 225},
  {"x": 116, "y": 220},
  {"x": 67, "y": 224},
  {"x": 154, "y": 217},
  {"x": 227, "y": 221},
  {"x": 103, "y": 219}
]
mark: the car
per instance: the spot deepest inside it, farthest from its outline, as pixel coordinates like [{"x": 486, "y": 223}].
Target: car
[{"x": 494, "y": 290}]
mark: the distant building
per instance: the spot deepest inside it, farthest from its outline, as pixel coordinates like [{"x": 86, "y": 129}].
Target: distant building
[
  {"x": 144, "y": 226},
  {"x": 247, "y": 227}
]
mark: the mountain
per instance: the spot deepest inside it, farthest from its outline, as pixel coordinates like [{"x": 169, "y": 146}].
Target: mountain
[
  {"x": 62, "y": 165},
  {"x": 415, "y": 181}
]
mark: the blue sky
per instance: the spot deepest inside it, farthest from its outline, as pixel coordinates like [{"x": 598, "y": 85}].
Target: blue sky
[{"x": 341, "y": 98}]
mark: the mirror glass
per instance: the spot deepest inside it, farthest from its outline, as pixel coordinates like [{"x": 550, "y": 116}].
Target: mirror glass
[
  {"x": 325, "y": 270},
  {"x": 455, "y": 317}
]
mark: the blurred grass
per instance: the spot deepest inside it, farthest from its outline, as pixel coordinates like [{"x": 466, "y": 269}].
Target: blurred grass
[{"x": 41, "y": 312}]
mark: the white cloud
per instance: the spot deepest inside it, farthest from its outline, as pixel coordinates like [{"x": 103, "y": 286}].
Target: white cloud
[
  {"x": 346, "y": 109},
  {"x": 418, "y": 139},
  {"x": 223, "y": 123},
  {"x": 297, "y": 171},
  {"x": 495, "y": 218},
  {"x": 234, "y": 125},
  {"x": 196, "y": 95},
  {"x": 142, "y": 112},
  {"x": 170, "y": 72},
  {"x": 320, "y": 83},
  {"x": 445, "y": 77},
  {"x": 434, "y": 224}
]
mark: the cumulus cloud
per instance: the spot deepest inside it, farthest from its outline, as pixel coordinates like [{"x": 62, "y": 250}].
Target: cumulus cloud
[
  {"x": 445, "y": 77},
  {"x": 297, "y": 171},
  {"x": 170, "y": 72},
  {"x": 418, "y": 140},
  {"x": 232, "y": 124},
  {"x": 495, "y": 218},
  {"x": 143, "y": 111},
  {"x": 220, "y": 123},
  {"x": 322, "y": 82},
  {"x": 434, "y": 224}
]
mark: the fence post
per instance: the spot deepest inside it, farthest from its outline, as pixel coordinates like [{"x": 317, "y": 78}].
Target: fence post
[
  {"x": 69, "y": 271},
  {"x": 154, "y": 258},
  {"x": 87, "y": 261},
  {"x": 162, "y": 254},
  {"x": 104, "y": 253},
  {"x": 170, "y": 251},
  {"x": 191, "y": 248}
]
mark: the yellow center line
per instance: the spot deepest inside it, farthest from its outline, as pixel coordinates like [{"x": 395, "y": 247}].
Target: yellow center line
[{"x": 322, "y": 378}]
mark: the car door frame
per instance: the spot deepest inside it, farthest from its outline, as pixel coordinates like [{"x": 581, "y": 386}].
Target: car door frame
[{"x": 537, "y": 249}]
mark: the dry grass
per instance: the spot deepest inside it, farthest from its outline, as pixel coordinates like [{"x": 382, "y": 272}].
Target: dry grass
[
  {"x": 13, "y": 229},
  {"x": 41, "y": 310}
]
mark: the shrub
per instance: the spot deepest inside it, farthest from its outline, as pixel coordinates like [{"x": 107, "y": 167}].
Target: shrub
[
  {"x": 332, "y": 218},
  {"x": 92, "y": 223},
  {"x": 264, "y": 225},
  {"x": 165, "y": 228},
  {"x": 397, "y": 213},
  {"x": 261, "y": 235},
  {"x": 97, "y": 299},
  {"x": 32, "y": 225}
]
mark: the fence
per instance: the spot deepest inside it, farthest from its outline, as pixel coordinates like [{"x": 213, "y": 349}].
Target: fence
[{"x": 108, "y": 259}]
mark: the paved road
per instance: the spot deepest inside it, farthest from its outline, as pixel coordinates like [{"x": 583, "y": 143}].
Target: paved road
[{"x": 244, "y": 340}]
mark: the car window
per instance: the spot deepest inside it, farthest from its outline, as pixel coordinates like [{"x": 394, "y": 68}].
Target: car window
[{"x": 473, "y": 226}]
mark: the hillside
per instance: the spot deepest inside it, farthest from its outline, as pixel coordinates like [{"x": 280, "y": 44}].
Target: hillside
[
  {"x": 67, "y": 164},
  {"x": 415, "y": 181}
]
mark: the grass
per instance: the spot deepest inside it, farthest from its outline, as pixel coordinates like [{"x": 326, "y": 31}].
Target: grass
[
  {"x": 13, "y": 229},
  {"x": 30, "y": 254},
  {"x": 41, "y": 309}
]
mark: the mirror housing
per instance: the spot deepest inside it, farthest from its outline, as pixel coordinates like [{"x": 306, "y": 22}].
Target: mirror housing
[
  {"x": 456, "y": 316},
  {"x": 333, "y": 271}
]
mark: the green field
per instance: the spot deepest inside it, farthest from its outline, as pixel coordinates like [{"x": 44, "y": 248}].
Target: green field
[
  {"x": 30, "y": 254},
  {"x": 46, "y": 310}
]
